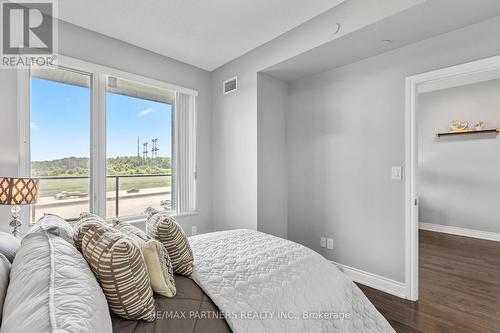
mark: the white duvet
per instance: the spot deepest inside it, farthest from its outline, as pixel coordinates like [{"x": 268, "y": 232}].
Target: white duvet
[{"x": 263, "y": 283}]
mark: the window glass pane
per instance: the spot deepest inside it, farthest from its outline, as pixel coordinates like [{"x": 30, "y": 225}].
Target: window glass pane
[
  {"x": 60, "y": 109},
  {"x": 139, "y": 147}
]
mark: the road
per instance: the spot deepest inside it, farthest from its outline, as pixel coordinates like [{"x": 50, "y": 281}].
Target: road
[{"x": 129, "y": 203}]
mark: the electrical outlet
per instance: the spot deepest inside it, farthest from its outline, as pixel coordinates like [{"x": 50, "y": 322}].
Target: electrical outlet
[
  {"x": 194, "y": 230},
  {"x": 322, "y": 241},
  {"x": 329, "y": 243}
]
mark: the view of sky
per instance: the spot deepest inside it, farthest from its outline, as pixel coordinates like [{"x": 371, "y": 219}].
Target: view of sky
[{"x": 60, "y": 122}]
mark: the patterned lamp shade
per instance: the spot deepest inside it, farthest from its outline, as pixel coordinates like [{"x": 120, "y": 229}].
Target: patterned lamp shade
[{"x": 18, "y": 191}]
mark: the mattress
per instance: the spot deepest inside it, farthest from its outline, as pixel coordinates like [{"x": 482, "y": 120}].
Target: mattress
[{"x": 191, "y": 310}]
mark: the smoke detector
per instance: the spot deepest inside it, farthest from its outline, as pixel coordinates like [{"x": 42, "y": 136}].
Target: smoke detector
[{"x": 336, "y": 28}]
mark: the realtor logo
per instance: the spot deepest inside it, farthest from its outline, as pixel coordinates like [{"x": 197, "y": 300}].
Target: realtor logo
[{"x": 29, "y": 34}]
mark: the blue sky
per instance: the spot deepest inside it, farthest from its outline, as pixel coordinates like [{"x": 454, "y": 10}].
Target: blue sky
[{"x": 60, "y": 122}]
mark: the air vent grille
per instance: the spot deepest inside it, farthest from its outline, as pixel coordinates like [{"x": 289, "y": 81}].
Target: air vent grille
[{"x": 230, "y": 86}]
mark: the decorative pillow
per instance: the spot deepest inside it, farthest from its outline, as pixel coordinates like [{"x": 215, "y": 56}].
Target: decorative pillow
[
  {"x": 132, "y": 231},
  {"x": 160, "y": 270},
  {"x": 156, "y": 257},
  {"x": 55, "y": 225},
  {"x": 4, "y": 280},
  {"x": 81, "y": 226},
  {"x": 117, "y": 262},
  {"x": 163, "y": 227},
  {"x": 52, "y": 289},
  {"x": 9, "y": 245}
]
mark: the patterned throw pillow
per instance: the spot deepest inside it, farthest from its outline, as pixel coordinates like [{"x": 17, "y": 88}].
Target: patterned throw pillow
[
  {"x": 163, "y": 227},
  {"x": 81, "y": 226},
  {"x": 156, "y": 257},
  {"x": 118, "y": 265}
]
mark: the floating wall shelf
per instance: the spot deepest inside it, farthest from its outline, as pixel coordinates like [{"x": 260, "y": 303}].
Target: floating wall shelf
[{"x": 483, "y": 131}]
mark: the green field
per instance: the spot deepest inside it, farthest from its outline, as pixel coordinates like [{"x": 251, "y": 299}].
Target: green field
[{"x": 50, "y": 187}]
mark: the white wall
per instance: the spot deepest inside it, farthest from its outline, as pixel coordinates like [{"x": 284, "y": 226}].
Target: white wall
[
  {"x": 8, "y": 134},
  {"x": 89, "y": 46},
  {"x": 345, "y": 129},
  {"x": 459, "y": 177},
  {"x": 235, "y": 197},
  {"x": 272, "y": 174}
]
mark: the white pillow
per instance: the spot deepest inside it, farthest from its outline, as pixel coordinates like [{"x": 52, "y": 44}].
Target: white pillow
[
  {"x": 4, "y": 280},
  {"x": 9, "y": 245},
  {"x": 52, "y": 289},
  {"x": 55, "y": 225}
]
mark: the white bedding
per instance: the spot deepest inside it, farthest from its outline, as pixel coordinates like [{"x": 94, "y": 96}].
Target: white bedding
[{"x": 264, "y": 283}]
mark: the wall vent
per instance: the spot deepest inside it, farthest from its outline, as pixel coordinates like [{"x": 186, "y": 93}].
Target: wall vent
[{"x": 230, "y": 86}]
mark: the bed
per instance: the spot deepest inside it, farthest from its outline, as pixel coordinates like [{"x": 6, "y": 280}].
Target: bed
[
  {"x": 177, "y": 314},
  {"x": 248, "y": 281}
]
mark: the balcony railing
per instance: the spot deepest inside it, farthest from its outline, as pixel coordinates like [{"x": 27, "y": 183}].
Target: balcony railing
[{"x": 56, "y": 192}]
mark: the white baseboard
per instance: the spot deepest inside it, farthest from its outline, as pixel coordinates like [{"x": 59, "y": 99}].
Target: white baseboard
[
  {"x": 374, "y": 281},
  {"x": 486, "y": 235}
]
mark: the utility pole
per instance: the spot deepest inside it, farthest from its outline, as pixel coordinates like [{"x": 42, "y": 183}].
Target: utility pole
[
  {"x": 138, "y": 154},
  {"x": 154, "y": 148},
  {"x": 145, "y": 150},
  {"x": 139, "y": 160}
]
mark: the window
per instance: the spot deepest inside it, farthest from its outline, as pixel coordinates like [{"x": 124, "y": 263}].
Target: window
[
  {"x": 139, "y": 122},
  {"x": 108, "y": 142},
  {"x": 60, "y": 109}
]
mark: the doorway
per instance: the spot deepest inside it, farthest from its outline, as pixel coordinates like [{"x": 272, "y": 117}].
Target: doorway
[{"x": 426, "y": 83}]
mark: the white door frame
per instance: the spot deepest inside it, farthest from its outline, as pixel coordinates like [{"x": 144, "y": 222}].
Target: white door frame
[{"x": 414, "y": 84}]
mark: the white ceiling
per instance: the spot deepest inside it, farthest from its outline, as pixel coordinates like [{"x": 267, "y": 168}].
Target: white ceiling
[
  {"x": 430, "y": 18},
  {"x": 203, "y": 33}
]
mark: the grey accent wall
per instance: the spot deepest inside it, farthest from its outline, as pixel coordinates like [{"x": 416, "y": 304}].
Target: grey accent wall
[
  {"x": 235, "y": 119},
  {"x": 459, "y": 178},
  {"x": 96, "y": 48},
  {"x": 345, "y": 129},
  {"x": 272, "y": 175}
]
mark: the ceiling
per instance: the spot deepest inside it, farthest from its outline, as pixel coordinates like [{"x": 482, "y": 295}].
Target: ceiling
[
  {"x": 431, "y": 18},
  {"x": 203, "y": 33}
]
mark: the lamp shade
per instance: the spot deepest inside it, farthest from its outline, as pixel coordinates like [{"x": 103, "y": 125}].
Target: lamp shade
[{"x": 18, "y": 191}]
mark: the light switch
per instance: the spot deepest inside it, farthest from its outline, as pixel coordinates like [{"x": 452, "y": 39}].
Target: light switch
[
  {"x": 329, "y": 243},
  {"x": 322, "y": 241},
  {"x": 397, "y": 173}
]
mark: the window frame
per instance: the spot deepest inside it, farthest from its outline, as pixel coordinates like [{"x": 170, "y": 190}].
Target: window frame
[{"x": 97, "y": 172}]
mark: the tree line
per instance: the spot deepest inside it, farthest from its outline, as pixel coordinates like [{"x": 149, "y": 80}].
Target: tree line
[{"x": 123, "y": 165}]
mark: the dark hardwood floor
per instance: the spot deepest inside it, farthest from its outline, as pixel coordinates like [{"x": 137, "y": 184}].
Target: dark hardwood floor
[{"x": 459, "y": 288}]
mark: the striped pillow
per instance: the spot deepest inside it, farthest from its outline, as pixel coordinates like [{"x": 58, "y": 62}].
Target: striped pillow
[
  {"x": 81, "y": 226},
  {"x": 132, "y": 231},
  {"x": 162, "y": 227},
  {"x": 157, "y": 260},
  {"x": 118, "y": 265}
]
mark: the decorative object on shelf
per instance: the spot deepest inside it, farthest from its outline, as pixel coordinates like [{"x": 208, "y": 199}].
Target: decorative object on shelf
[
  {"x": 479, "y": 125},
  {"x": 459, "y": 125},
  {"x": 15, "y": 192}
]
